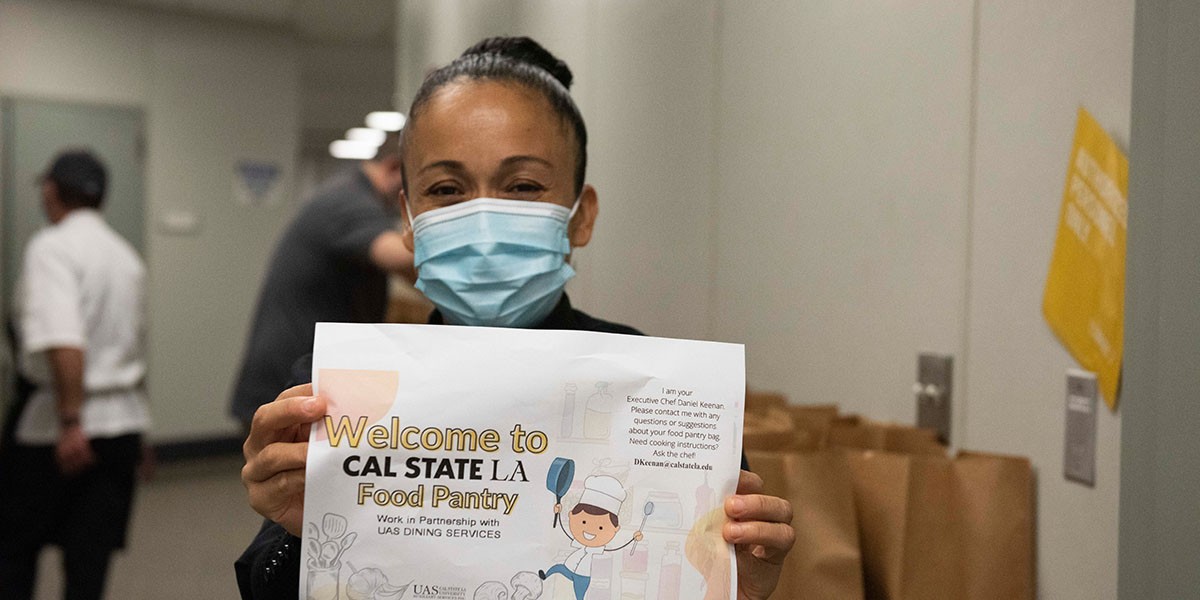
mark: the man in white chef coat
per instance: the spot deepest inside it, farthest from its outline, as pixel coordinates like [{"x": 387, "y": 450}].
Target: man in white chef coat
[{"x": 68, "y": 477}]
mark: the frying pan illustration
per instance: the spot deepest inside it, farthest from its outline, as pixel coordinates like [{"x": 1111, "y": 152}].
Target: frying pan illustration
[{"x": 558, "y": 480}]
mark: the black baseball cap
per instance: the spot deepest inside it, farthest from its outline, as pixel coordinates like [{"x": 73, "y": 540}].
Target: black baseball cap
[{"x": 79, "y": 171}]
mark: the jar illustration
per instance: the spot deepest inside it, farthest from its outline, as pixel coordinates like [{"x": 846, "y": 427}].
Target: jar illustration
[
  {"x": 602, "y": 567},
  {"x": 599, "y": 590},
  {"x": 568, "y": 418},
  {"x": 669, "y": 573},
  {"x": 322, "y": 583},
  {"x": 636, "y": 562},
  {"x": 668, "y": 510},
  {"x": 633, "y": 586},
  {"x": 705, "y": 499},
  {"x": 601, "y": 586},
  {"x": 599, "y": 413}
]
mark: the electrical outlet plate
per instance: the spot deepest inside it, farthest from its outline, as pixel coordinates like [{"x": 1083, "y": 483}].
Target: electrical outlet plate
[
  {"x": 1079, "y": 449},
  {"x": 934, "y": 390}
]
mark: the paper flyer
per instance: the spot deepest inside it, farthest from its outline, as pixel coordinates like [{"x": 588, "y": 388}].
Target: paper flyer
[
  {"x": 1084, "y": 301},
  {"x": 462, "y": 463}
]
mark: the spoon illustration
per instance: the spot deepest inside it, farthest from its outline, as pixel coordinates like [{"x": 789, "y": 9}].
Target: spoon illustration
[
  {"x": 646, "y": 511},
  {"x": 343, "y": 546}
]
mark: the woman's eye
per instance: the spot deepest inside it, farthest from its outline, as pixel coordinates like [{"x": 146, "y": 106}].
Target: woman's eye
[
  {"x": 443, "y": 190},
  {"x": 525, "y": 188}
]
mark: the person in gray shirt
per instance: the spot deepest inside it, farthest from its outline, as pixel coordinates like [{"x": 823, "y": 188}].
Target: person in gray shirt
[{"x": 331, "y": 264}]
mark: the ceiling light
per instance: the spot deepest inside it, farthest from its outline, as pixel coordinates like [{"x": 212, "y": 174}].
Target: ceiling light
[
  {"x": 367, "y": 135},
  {"x": 352, "y": 150},
  {"x": 386, "y": 121}
]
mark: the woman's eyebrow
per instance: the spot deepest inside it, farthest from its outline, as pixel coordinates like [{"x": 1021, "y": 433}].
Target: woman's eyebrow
[
  {"x": 450, "y": 165},
  {"x": 458, "y": 167},
  {"x": 522, "y": 158}
]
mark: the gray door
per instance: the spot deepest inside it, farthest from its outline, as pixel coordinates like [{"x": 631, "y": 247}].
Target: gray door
[
  {"x": 36, "y": 130},
  {"x": 32, "y": 132}
]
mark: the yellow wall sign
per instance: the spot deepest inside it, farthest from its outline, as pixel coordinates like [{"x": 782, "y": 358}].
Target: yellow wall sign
[{"x": 1085, "y": 290}]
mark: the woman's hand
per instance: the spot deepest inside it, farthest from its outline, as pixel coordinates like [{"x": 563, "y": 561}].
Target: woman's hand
[
  {"x": 276, "y": 451},
  {"x": 760, "y": 528}
]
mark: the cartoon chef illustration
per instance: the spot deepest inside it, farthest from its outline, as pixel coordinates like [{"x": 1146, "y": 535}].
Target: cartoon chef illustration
[{"x": 593, "y": 525}]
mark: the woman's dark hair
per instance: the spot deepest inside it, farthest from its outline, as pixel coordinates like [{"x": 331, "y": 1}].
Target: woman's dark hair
[
  {"x": 596, "y": 511},
  {"x": 517, "y": 60}
]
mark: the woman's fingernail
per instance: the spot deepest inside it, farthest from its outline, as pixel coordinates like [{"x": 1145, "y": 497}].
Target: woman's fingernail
[
  {"x": 735, "y": 530},
  {"x": 309, "y": 405},
  {"x": 736, "y": 504}
]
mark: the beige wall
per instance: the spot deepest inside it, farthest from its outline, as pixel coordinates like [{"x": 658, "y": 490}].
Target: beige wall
[
  {"x": 843, "y": 154},
  {"x": 907, "y": 164},
  {"x": 1038, "y": 62},
  {"x": 841, "y": 185},
  {"x": 213, "y": 93}
]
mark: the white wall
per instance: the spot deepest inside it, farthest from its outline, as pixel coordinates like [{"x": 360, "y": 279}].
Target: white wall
[
  {"x": 213, "y": 93},
  {"x": 652, "y": 128},
  {"x": 843, "y": 160},
  {"x": 341, "y": 83},
  {"x": 430, "y": 33},
  {"x": 904, "y": 169},
  {"x": 1038, "y": 62}
]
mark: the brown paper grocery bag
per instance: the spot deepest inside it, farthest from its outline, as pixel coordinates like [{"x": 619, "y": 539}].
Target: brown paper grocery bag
[
  {"x": 933, "y": 532},
  {"x": 997, "y": 503},
  {"x": 880, "y": 483},
  {"x": 908, "y": 525},
  {"x": 857, "y": 432},
  {"x": 912, "y": 440},
  {"x": 826, "y": 562},
  {"x": 935, "y": 527},
  {"x": 768, "y": 415},
  {"x": 769, "y": 429},
  {"x": 812, "y": 423},
  {"x": 759, "y": 401},
  {"x": 853, "y": 431}
]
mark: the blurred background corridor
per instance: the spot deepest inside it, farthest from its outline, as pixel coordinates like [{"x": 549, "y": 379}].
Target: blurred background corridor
[{"x": 839, "y": 185}]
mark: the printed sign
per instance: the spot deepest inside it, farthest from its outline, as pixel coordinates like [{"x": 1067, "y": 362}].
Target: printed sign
[
  {"x": 462, "y": 463},
  {"x": 254, "y": 181},
  {"x": 1085, "y": 290}
]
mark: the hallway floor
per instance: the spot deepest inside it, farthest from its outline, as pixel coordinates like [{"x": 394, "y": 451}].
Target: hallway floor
[{"x": 189, "y": 524}]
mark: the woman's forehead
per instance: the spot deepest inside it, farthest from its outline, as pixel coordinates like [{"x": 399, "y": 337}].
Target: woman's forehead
[{"x": 475, "y": 118}]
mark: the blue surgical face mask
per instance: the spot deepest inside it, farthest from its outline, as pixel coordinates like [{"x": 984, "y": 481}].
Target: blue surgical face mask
[{"x": 492, "y": 262}]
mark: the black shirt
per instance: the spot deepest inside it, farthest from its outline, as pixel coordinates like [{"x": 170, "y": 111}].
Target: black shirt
[{"x": 321, "y": 271}]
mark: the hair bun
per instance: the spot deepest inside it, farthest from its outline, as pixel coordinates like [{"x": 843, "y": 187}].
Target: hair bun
[{"x": 525, "y": 50}]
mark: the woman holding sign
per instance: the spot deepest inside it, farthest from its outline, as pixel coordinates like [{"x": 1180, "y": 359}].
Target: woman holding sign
[{"x": 494, "y": 156}]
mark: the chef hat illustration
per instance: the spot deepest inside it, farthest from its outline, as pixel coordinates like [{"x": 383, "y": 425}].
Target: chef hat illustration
[{"x": 603, "y": 492}]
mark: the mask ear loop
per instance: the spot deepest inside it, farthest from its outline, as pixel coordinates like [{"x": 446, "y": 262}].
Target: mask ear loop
[
  {"x": 574, "y": 208},
  {"x": 571, "y": 215}
]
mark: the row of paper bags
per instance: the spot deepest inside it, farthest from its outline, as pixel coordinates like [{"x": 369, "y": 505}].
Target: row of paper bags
[{"x": 882, "y": 512}]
